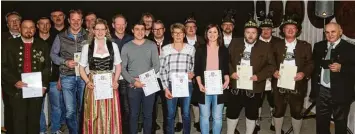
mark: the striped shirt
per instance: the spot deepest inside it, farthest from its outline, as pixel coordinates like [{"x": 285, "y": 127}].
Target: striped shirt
[{"x": 173, "y": 61}]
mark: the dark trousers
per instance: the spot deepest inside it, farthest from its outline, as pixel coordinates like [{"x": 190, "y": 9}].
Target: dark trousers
[
  {"x": 160, "y": 94},
  {"x": 327, "y": 107},
  {"x": 136, "y": 99},
  {"x": 7, "y": 113},
  {"x": 237, "y": 102},
  {"x": 270, "y": 98},
  {"x": 282, "y": 99},
  {"x": 124, "y": 103},
  {"x": 25, "y": 114}
]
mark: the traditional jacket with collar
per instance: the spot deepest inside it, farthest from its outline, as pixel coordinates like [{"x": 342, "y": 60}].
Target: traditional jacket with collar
[
  {"x": 341, "y": 83},
  {"x": 12, "y": 61},
  {"x": 199, "y": 41},
  {"x": 303, "y": 61},
  {"x": 261, "y": 60}
]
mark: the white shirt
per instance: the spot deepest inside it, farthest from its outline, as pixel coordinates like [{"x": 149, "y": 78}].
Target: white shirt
[
  {"x": 265, "y": 40},
  {"x": 160, "y": 57},
  {"x": 15, "y": 35},
  {"x": 289, "y": 56},
  {"x": 322, "y": 71},
  {"x": 191, "y": 41},
  {"x": 227, "y": 39},
  {"x": 84, "y": 55},
  {"x": 247, "y": 53}
]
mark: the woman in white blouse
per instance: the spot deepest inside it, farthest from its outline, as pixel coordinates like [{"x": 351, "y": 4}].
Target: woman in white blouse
[{"x": 101, "y": 55}]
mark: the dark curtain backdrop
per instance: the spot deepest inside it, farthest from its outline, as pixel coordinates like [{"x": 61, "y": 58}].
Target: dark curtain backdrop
[{"x": 168, "y": 12}]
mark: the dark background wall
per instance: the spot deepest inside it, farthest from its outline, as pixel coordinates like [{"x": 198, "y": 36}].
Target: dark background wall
[{"x": 168, "y": 12}]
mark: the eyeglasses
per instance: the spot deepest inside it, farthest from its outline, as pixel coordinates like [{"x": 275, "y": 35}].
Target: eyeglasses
[
  {"x": 178, "y": 33},
  {"x": 159, "y": 29}
]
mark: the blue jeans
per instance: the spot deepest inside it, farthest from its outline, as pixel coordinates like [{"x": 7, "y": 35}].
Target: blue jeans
[
  {"x": 185, "y": 105},
  {"x": 136, "y": 98},
  {"x": 205, "y": 111},
  {"x": 57, "y": 111},
  {"x": 73, "y": 90}
]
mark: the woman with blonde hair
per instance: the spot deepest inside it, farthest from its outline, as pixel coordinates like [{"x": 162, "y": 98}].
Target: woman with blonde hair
[{"x": 101, "y": 55}]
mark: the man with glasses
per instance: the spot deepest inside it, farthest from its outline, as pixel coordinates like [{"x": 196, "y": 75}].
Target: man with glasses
[{"x": 148, "y": 19}]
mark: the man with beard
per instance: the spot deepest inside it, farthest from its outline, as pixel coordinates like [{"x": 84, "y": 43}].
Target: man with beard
[
  {"x": 266, "y": 35},
  {"x": 228, "y": 27},
  {"x": 24, "y": 55},
  {"x": 291, "y": 52},
  {"x": 13, "y": 20},
  {"x": 120, "y": 37},
  {"x": 148, "y": 20},
  {"x": 67, "y": 44},
  {"x": 333, "y": 80},
  {"x": 248, "y": 51},
  {"x": 57, "y": 17}
]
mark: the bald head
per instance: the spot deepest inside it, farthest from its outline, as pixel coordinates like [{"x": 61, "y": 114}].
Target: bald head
[
  {"x": 333, "y": 31},
  {"x": 28, "y": 29}
]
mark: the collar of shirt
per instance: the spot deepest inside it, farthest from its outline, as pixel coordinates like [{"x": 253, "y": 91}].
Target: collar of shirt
[
  {"x": 246, "y": 44},
  {"x": 291, "y": 44},
  {"x": 265, "y": 40},
  {"x": 159, "y": 42},
  {"x": 15, "y": 35},
  {"x": 27, "y": 41},
  {"x": 71, "y": 35},
  {"x": 191, "y": 41},
  {"x": 335, "y": 43},
  {"x": 227, "y": 37}
]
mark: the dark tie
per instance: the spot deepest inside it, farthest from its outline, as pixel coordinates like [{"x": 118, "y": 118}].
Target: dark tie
[{"x": 326, "y": 75}]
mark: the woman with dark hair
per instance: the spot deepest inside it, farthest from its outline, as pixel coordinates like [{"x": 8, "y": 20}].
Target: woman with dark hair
[
  {"x": 211, "y": 57},
  {"x": 102, "y": 56}
]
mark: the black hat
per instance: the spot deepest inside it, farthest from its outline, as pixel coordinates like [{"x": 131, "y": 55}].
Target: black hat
[
  {"x": 229, "y": 15},
  {"x": 291, "y": 19},
  {"x": 267, "y": 22},
  {"x": 190, "y": 19},
  {"x": 251, "y": 23}
]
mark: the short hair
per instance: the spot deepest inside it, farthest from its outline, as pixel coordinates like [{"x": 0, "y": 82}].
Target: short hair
[
  {"x": 43, "y": 18},
  {"x": 77, "y": 11},
  {"x": 118, "y": 16},
  {"x": 177, "y": 26},
  {"x": 90, "y": 13},
  {"x": 158, "y": 22},
  {"x": 220, "y": 41},
  {"x": 138, "y": 23},
  {"x": 147, "y": 14},
  {"x": 13, "y": 13}
]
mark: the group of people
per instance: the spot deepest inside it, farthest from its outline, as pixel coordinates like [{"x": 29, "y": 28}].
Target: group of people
[{"x": 68, "y": 82}]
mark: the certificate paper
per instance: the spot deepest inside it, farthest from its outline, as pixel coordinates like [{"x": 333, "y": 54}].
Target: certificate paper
[
  {"x": 213, "y": 82},
  {"x": 180, "y": 84},
  {"x": 77, "y": 59},
  {"x": 151, "y": 83},
  {"x": 103, "y": 86},
  {"x": 287, "y": 76},
  {"x": 34, "y": 85},
  {"x": 245, "y": 72}
]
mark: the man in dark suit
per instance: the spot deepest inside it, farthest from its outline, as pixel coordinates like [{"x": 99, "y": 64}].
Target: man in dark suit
[
  {"x": 24, "y": 55},
  {"x": 160, "y": 40},
  {"x": 297, "y": 53},
  {"x": 266, "y": 35},
  {"x": 333, "y": 80},
  {"x": 248, "y": 51},
  {"x": 148, "y": 19},
  {"x": 228, "y": 27}
]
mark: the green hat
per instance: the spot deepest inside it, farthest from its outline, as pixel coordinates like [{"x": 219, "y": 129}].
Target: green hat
[
  {"x": 267, "y": 22},
  {"x": 290, "y": 19},
  {"x": 251, "y": 23},
  {"x": 229, "y": 15}
]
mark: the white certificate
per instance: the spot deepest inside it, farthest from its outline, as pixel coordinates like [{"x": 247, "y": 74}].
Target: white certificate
[
  {"x": 287, "y": 76},
  {"x": 213, "y": 82},
  {"x": 103, "y": 86},
  {"x": 77, "y": 59},
  {"x": 245, "y": 72},
  {"x": 151, "y": 83},
  {"x": 268, "y": 84},
  {"x": 34, "y": 85},
  {"x": 180, "y": 84}
]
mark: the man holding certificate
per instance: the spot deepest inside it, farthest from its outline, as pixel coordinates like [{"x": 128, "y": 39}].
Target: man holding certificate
[
  {"x": 176, "y": 72},
  {"x": 251, "y": 62},
  {"x": 138, "y": 57},
  {"x": 294, "y": 67},
  {"x": 333, "y": 80},
  {"x": 25, "y": 68},
  {"x": 212, "y": 77}
]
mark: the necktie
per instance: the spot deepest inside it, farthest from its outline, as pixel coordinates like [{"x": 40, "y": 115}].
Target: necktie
[{"x": 326, "y": 75}]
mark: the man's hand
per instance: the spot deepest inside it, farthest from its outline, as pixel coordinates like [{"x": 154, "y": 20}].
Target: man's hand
[
  {"x": 168, "y": 94},
  {"x": 191, "y": 75},
  {"x": 70, "y": 63},
  {"x": 138, "y": 84},
  {"x": 276, "y": 74},
  {"x": 335, "y": 67},
  {"x": 254, "y": 78},
  {"x": 202, "y": 88},
  {"x": 59, "y": 85},
  {"x": 299, "y": 76},
  {"x": 44, "y": 90},
  {"x": 20, "y": 85},
  {"x": 235, "y": 76}
]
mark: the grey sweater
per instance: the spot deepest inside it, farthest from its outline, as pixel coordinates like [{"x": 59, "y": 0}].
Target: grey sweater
[{"x": 138, "y": 59}]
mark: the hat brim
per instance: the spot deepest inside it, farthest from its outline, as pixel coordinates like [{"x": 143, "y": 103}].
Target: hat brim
[{"x": 265, "y": 25}]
